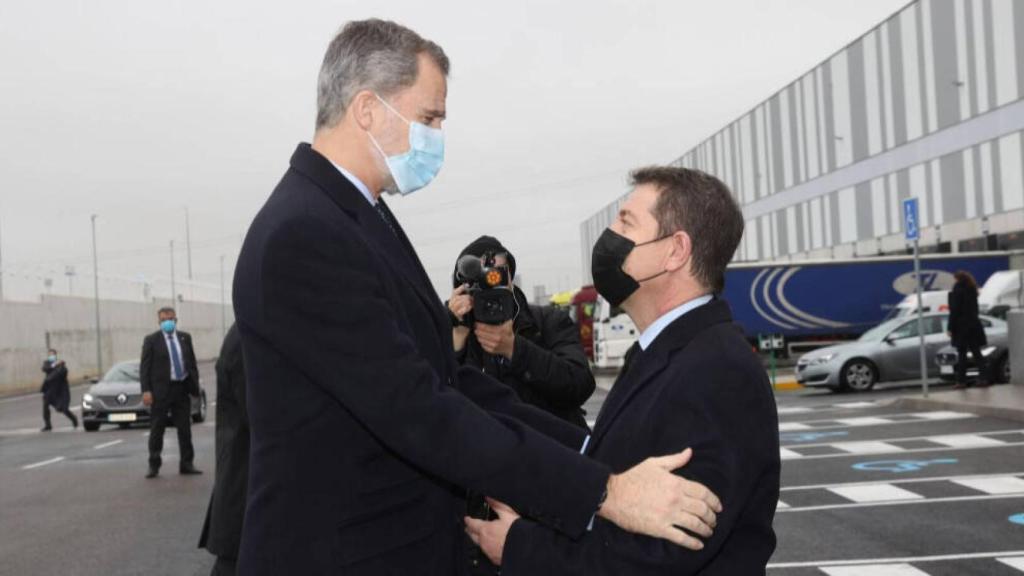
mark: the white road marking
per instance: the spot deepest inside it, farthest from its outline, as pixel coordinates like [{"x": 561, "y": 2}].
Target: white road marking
[
  {"x": 902, "y": 502},
  {"x": 909, "y": 438},
  {"x": 790, "y": 426},
  {"x": 1017, "y": 562},
  {"x": 792, "y": 410},
  {"x": 43, "y": 463},
  {"x": 787, "y": 454},
  {"x": 822, "y": 564},
  {"x": 966, "y": 441},
  {"x": 901, "y": 481},
  {"x": 939, "y": 415},
  {"x": 782, "y": 505},
  {"x": 903, "y": 451},
  {"x": 867, "y": 447},
  {"x": 864, "y": 421},
  {"x": 994, "y": 484},
  {"x": 107, "y": 444},
  {"x": 874, "y": 570},
  {"x": 856, "y": 405},
  {"x": 875, "y": 493}
]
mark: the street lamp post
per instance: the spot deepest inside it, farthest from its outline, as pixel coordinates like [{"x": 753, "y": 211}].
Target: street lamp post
[
  {"x": 174, "y": 288},
  {"x": 96, "y": 299}
]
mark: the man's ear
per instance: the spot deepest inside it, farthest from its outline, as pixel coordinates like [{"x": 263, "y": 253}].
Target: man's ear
[
  {"x": 362, "y": 108},
  {"x": 682, "y": 251}
]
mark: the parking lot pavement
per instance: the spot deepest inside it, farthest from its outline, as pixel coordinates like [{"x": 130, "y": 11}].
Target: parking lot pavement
[
  {"x": 73, "y": 502},
  {"x": 870, "y": 489}
]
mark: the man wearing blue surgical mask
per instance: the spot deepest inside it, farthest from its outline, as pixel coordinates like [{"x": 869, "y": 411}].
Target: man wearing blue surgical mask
[
  {"x": 365, "y": 432},
  {"x": 169, "y": 376}
]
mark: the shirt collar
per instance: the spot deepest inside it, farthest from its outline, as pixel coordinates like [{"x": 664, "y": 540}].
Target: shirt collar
[
  {"x": 656, "y": 327},
  {"x": 357, "y": 183}
]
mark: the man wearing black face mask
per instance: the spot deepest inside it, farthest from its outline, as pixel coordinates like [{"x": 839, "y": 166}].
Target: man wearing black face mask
[{"x": 691, "y": 380}]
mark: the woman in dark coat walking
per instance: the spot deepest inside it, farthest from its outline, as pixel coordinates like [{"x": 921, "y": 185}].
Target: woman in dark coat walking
[
  {"x": 965, "y": 328},
  {"x": 55, "y": 390}
]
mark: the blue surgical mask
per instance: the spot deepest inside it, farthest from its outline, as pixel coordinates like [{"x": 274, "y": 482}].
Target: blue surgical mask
[
  {"x": 51, "y": 359},
  {"x": 418, "y": 166},
  {"x": 168, "y": 326}
]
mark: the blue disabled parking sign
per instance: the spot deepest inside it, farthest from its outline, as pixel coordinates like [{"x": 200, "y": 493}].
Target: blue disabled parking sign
[{"x": 911, "y": 229}]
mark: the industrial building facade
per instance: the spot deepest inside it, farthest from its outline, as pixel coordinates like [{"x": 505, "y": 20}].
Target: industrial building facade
[{"x": 928, "y": 104}]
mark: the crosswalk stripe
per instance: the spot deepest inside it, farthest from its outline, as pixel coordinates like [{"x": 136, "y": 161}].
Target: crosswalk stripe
[
  {"x": 782, "y": 505},
  {"x": 1016, "y": 562},
  {"x": 856, "y": 404},
  {"x": 941, "y": 415},
  {"x": 787, "y": 454},
  {"x": 864, "y": 421},
  {"x": 966, "y": 441},
  {"x": 792, "y": 410},
  {"x": 875, "y": 493},
  {"x": 994, "y": 485},
  {"x": 1014, "y": 555},
  {"x": 867, "y": 447},
  {"x": 874, "y": 570},
  {"x": 791, "y": 426}
]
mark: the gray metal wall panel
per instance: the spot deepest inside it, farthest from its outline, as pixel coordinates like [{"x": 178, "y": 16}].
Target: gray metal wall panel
[
  {"x": 970, "y": 75},
  {"x": 997, "y": 178},
  {"x": 794, "y": 139},
  {"x": 858, "y": 102},
  {"x": 1018, "y": 25},
  {"x": 865, "y": 216},
  {"x": 801, "y": 242},
  {"x": 899, "y": 103},
  {"x": 775, "y": 130},
  {"x": 830, "y": 127},
  {"x": 990, "y": 54},
  {"x": 953, "y": 204},
  {"x": 947, "y": 97},
  {"x": 921, "y": 68}
]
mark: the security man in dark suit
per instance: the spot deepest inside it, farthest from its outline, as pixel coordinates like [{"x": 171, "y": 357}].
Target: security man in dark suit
[
  {"x": 169, "y": 376},
  {"x": 365, "y": 432},
  {"x": 222, "y": 530},
  {"x": 691, "y": 380}
]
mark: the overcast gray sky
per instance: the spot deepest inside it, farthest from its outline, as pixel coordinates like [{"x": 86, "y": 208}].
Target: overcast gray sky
[{"x": 134, "y": 110}]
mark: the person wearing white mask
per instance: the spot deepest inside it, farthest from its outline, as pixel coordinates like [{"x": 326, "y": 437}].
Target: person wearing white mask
[{"x": 365, "y": 432}]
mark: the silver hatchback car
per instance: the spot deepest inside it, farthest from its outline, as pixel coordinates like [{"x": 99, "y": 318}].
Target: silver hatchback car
[{"x": 887, "y": 352}]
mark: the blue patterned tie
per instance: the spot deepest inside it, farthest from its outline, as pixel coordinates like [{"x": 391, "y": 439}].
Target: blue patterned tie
[{"x": 176, "y": 358}]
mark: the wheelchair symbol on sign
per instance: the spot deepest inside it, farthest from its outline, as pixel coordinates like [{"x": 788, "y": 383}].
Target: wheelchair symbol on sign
[{"x": 900, "y": 466}]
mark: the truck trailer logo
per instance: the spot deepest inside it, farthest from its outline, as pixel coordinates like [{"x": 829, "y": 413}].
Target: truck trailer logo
[
  {"x": 930, "y": 280},
  {"x": 769, "y": 287}
]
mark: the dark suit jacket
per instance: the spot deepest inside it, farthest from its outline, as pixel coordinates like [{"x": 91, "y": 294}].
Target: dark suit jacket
[
  {"x": 698, "y": 385},
  {"x": 55, "y": 387},
  {"x": 222, "y": 531},
  {"x": 362, "y": 422},
  {"x": 155, "y": 366}
]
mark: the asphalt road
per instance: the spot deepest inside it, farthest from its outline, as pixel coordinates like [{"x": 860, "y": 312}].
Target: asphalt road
[{"x": 868, "y": 489}]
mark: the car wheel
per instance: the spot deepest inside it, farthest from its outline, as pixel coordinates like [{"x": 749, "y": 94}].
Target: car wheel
[
  {"x": 859, "y": 375},
  {"x": 1002, "y": 370},
  {"x": 200, "y": 417},
  {"x": 91, "y": 426}
]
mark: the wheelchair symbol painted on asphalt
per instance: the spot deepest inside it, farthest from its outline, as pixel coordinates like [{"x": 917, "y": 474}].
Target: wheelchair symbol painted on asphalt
[
  {"x": 808, "y": 436},
  {"x": 1017, "y": 519},
  {"x": 900, "y": 466}
]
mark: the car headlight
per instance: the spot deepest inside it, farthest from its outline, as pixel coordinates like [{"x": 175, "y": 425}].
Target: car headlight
[
  {"x": 822, "y": 359},
  {"x": 988, "y": 350},
  {"x": 87, "y": 401}
]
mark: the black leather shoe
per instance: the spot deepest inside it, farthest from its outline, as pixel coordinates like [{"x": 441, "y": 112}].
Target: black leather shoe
[
  {"x": 46, "y": 428},
  {"x": 189, "y": 471},
  {"x": 152, "y": 472}
]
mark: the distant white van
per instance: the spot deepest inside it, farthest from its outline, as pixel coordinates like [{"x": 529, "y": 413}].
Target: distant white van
[
  {"x": 1001, "y": 292},
  {"x": 614, "y": 333},
  {"x": 931, "y": 301}
]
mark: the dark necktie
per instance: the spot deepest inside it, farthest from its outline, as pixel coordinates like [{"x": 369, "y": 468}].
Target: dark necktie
[
  {"x": 627, "y": 361},
  {"x": 176, "y": 358},
  {"x": 385, "y": 215}
]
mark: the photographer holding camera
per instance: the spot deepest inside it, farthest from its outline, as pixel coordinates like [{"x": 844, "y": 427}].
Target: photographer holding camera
[{"x": 535, "y": 350}]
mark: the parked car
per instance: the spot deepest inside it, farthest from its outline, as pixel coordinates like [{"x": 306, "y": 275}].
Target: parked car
[
  {"x": 887, "y": 352},
  {"x": 117, "y": 399},
  {"x": 997, "y": 356}
]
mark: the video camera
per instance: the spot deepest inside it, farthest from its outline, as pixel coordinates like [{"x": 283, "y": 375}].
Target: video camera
[{"x": 494, "y": 302}]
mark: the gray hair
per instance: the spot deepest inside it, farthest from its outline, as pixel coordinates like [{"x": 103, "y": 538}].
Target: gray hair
[{"x": 376, "y": 55}]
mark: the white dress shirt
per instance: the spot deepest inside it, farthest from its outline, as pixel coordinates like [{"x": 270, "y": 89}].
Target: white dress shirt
[
  {"x": 357, "y": 183},
  {"x": 170, "y": 355},
  {"x": 656, "y": 327}
]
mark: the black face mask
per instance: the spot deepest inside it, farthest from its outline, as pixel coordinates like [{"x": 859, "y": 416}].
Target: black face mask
[{"x": 609, "y": 254}]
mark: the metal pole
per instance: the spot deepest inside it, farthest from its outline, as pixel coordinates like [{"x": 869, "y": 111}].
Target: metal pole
[
  {"x": 1, "y": 266},
  {"x": 96, "y": 297},
  {"x": 188, "y": 244},
  {"x": 920, "y": 319},
  {"x": 174, "y": 289},
  {"x": 223, "y": 319}
]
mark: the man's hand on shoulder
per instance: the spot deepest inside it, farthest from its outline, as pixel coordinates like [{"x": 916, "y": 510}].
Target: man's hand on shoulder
[
  {"x": 491, "y": 535},
  {"x": 649, "y": 499}
]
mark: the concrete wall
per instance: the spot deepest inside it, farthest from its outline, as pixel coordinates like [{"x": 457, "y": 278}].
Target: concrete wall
[{"x": 69, "y": 324}]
